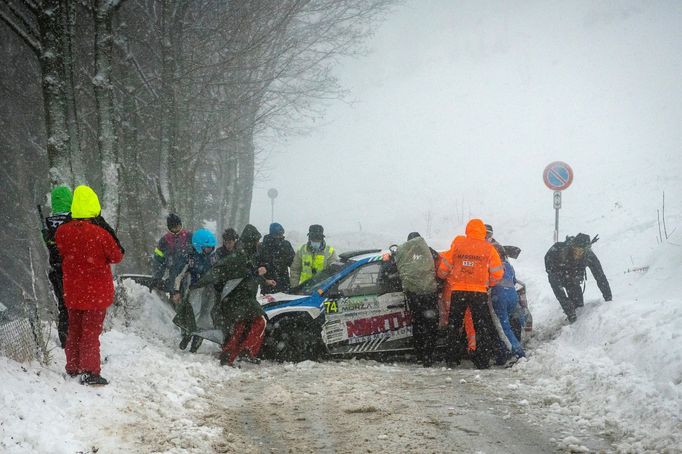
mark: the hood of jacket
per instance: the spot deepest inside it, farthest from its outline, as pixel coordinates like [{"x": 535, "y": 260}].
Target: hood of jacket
[
  {"x": 85, "y": 203},
  {"x": 248, "y": 241},
  {"x": 476, "y": 229},
  {"x": 250, "y": 235},
  {"x": 60, "y": 199}
]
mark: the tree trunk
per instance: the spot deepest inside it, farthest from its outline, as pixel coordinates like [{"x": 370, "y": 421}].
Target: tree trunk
[
  {"x": 106, "y": 137},
  {"x": 171, "y": 40},
  {"x": 77, "y": 158},
  {"x": 50, "y": 25}
]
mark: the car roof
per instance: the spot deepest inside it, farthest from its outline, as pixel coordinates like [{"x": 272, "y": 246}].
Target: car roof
[{"x": 375, "y": 254}]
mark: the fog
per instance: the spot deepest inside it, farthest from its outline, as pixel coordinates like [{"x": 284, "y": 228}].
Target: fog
[{"x": 458, "y": 106}]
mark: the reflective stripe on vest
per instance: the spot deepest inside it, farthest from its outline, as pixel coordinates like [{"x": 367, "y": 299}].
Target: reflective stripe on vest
[{"x": 313, "y": 263}]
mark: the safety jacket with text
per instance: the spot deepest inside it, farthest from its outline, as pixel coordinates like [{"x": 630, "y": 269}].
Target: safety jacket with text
[
  {"x": 472, "y": 264},
  {"x": 309, "y": 262}
]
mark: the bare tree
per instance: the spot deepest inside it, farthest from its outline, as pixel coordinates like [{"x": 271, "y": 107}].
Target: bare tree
[{"x": 40, "y": 25}]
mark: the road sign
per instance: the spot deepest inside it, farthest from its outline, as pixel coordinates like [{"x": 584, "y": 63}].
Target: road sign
[
  {"x": 558, "y": 176},
  {"x": 557, "y": 200},
  {"x": 272, "y": 193}
]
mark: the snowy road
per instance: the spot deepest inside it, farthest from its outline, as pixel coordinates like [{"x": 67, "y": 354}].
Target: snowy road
[{"x": 356, "y": 406}]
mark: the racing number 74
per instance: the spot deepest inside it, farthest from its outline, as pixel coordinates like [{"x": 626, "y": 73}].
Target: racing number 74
[{"x": 330, "y": 306}]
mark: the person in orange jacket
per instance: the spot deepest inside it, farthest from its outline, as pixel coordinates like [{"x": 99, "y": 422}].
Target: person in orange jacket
[{"x": 470, "y": 268}]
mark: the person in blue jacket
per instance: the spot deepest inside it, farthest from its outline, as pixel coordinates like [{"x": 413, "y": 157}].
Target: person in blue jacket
[
  {"x": 200, "y": 260},
  {"x": 505, "y": 299}
]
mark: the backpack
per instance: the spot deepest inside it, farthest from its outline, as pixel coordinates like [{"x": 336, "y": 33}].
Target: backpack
[{"x": 416, "y": 267}]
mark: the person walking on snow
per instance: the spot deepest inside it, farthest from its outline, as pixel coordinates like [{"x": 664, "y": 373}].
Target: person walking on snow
[
  {"x": 171, "y": 256},
  {"x": 565, "y": 263},
  {"x": 471, "y": 267},
  {"x": 61, "y": 199},
  {"x": 276, "y": 255},
  {"x": 88, "y": 251},
  {"x": 312, "y": 257}
]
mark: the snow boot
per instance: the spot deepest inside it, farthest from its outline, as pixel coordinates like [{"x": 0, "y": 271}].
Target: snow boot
[
  {"x": 93, "y": 380},
  {"x": 225, "y": 359},
  {"x": 185, "y": 342},
  {"x": 196, "y": 343},
  {"x": 572, "y": 318},
  {"x": 245, "y": 357}
]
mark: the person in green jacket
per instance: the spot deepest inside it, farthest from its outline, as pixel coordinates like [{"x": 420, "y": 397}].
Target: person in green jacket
[{"x": 238, "y": 314}]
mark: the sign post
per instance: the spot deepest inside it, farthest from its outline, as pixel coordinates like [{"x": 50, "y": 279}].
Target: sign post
[
  {"x": 557, "y": 176},
  {"x": 272, "y": 193}
]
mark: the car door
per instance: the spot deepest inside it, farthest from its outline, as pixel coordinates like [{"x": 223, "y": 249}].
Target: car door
[{"x": 359, "y": 318}]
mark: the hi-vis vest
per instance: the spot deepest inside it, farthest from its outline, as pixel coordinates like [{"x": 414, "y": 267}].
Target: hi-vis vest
[{"x": 313, "y": 262}]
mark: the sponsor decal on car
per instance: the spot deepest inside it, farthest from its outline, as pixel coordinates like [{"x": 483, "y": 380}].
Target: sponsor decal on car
[
  {"x": 358, "y": 303},
  {"x": 405, "y": 331},
  {"x": 378, "y": 324}
]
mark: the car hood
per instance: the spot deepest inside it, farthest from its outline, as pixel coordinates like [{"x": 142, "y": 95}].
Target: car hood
[{"x": 269, "y": 299}]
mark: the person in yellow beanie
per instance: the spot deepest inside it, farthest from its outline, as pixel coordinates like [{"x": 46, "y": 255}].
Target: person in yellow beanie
[{"x": 88, "y": 250}]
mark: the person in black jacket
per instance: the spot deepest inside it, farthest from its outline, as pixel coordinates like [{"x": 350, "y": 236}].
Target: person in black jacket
[
  {"x": 61, "y": 199},
  {"x": 276, "y": 254},
  {"x": 238, "y": 313},
  {"x": 565, "y": 263}
]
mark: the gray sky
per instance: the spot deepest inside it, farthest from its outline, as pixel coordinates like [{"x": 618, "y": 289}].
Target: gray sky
[{"x": 462, "y": 104}]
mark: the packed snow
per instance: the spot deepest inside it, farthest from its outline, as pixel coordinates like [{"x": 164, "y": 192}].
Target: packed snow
[{"x": 611, "y": 382}]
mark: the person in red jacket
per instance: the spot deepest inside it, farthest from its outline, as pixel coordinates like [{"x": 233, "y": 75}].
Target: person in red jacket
[
  {"x": 88, "y": 249},
  {"x": 471, "y": 267}
]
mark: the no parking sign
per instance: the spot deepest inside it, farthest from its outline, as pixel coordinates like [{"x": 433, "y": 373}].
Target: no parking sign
[{"x": 557, "y": 176}]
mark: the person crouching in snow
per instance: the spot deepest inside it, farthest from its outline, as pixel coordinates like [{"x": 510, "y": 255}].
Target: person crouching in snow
[
  {"x": 199, "y": 262},
  {"x": 505, "y": 299},
  {"x": 238, "y": 313},
  {"x": 88, "y": 250},
  {"x": 565, "y": 263}
]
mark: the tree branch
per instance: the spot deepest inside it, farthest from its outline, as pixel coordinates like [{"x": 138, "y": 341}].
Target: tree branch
[
  {"x": 27, "y": 24},
  {"x": 24, "y": 35}
]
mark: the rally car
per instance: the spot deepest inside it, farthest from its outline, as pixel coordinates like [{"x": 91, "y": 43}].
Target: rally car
[
  {"x": 352, "y": 307},
  {"x": 349, "y": 308}
]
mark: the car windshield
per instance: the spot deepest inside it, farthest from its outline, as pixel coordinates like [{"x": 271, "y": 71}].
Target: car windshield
[{"x": 319, "y": 279}]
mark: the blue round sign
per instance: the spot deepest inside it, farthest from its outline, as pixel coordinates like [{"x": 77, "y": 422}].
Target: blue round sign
[{"x": 558, "y": 176}]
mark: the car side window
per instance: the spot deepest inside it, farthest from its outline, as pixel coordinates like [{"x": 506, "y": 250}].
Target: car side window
[{"x": 363, "y": 281}]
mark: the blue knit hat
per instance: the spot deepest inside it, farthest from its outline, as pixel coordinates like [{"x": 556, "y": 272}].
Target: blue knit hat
[{"x": 276, "y": 229}]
